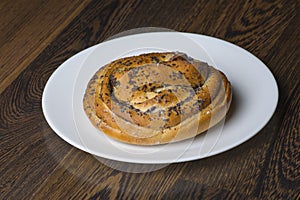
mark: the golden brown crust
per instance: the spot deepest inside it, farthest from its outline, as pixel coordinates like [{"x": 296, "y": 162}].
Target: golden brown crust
[{"x": 156, "y": 98}]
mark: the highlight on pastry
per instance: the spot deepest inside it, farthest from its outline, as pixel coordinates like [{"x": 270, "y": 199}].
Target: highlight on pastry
[{"x": 156, "y": 98}]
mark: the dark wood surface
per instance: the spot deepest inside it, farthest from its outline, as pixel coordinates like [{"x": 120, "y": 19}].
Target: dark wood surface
[{"x": 37, "y": 36}]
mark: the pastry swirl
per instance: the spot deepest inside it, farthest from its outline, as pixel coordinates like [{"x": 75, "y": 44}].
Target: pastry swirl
[{"x": 156, "y": 98}]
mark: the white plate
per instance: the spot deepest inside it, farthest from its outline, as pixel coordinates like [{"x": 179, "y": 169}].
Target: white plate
[{"x": 255, "y": 96}]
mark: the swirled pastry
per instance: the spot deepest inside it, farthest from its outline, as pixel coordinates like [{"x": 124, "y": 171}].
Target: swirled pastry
[{"x": 156, "y": 98}]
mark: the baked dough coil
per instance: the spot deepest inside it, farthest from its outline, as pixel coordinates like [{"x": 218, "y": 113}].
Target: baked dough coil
[{"x": 156, "y": 98}]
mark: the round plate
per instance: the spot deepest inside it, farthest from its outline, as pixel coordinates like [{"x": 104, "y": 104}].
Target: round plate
[{"x": 255, "y": 96}]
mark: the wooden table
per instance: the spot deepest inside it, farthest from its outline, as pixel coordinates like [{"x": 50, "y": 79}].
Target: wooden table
[{"x": 37, "y": 36}]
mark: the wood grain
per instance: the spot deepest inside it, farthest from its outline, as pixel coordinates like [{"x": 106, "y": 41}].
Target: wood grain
[
  {"x": 37, "y": 164},
  {"x": 27, "y": 28}
]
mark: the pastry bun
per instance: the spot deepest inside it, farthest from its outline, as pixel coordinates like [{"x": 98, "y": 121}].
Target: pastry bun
[{"x": 156, "y": 98}]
